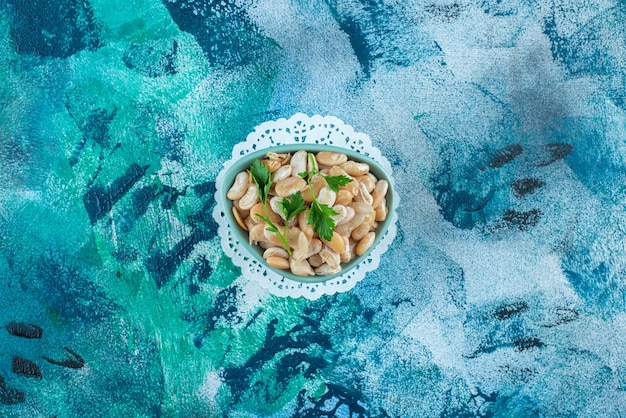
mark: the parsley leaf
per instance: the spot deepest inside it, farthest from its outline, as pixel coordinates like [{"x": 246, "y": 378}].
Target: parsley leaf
[
  {"x": 320, "y": 217},
  {"x": 335, "y": 181},
  {"x": 263, "y": 179},
  {"x": 292, "y": 207},
  {"x": 273, "y": 229}
]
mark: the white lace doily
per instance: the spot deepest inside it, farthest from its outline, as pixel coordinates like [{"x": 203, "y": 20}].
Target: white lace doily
[{"x": 301, "y": 129}]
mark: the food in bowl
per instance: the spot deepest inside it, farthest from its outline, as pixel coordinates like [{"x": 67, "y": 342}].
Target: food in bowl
[{"x": 310, "y": 212}]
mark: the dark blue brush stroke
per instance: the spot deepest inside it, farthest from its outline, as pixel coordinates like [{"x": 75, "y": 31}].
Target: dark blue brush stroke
[
  {"x": 69, "y": 292},
  {"x": 337, "y": 396},
  {"x": 208, "y": 187},
  {"x": 223, "y": 307},
  {"x": 297, "y": 339},
  {"x": 24, "y": 330},
  {"x": 152, "y": 58},
  {"x": 222, "y": 29},
  {"x": 96, "y": 129},
  {"x": 142, "y": 198},
  {"x": 99, "y": 200},
  {"x": 595, "y": 49},
  {"x": 358, "y": 42},
  {"x": 10, "y": 395},
  {"x": 375, "y": 34},
  {"x": 162, "y": 265},
  {"x": 53, "y": 28}
]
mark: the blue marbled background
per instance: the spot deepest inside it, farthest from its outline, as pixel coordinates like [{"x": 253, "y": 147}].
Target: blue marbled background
[{"x": 503, "y": 295}]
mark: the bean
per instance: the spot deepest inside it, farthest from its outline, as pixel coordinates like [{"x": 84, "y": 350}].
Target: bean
[
  {"x": 315, "y": 246},
  {"x": 249, "y": 223},
  {"x": 289, "y": 186},
  {"x": 331, "y": 158},
  {"x": 250, "y": 198},
  {"x": 275, "y": 252},
  {"x": 238, "y": 219},
  {"x": 298, "y": 163},
  {"x": 353, "y": 245},
  {"x": 303, "y": 223},
  {"x": 266, "y": 244},
  {"x": 360, "y": 231},
  {"x": 300, "y": 247},
  {"x": 327, "y": 270},
  {"x": 258, "y": 209},
  {"x": 355, "y": 169},
  {"x": 343, "y": 197},
  {"x": 368, "y": 182},
  {"x": 345, "y": 228},
  {"x": 364, "y": 195},
  {"x": 282, "y": 173},
  {"x": 330, "y": 257},
  {"x": 338, "y": 171},
  {"x": 370, "y": 219},
  {"x": 336, "y": 243},
  {"x": 346, "y": 255},
  {"x": 352, "y": 187},
  {"x": 301, "y": 268},
  {"x": 349, "y": 214},
  {"x": 381, "y": 211},
  {"x": 342, "y": 212},
  {"x": 307, "y": 196},
  {"x": 315, "y": 260},
  {"x": 379, "y": 193},
  {"x": 292, "y": 236},
  {"x": 361, "y": 210},
  {"x": 365, "y": 243},
  {"x": 271, "y": 165},
  {"x": 272, "y": 237},
  {"x": 283, "y": 158},
  {"x": 311, "y": 164},
  {"x": 257, "y": 233},
  {"x": 275, "y": 205},
  {"x": 317, "y": 183},
  {"x": 326, "y": 196},
  {"x": 239, "y": 187},
  {"x": 278, "y": 262},
  {"x": 361, "y": 207},
  {"x": 244, "y": 213},
  {"x": 372, "y": 176}
]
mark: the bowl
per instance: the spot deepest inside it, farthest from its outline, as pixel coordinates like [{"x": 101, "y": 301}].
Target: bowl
[{"x": 255, "y": 251}]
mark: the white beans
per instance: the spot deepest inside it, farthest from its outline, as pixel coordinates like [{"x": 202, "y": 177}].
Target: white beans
[
  {"x": 326, "y": 196},
  {"x": 290, "y": 185},
  {"x": 278, "y": 262},
  {"x": 282, "y": 173},
  {"x": 355, "y": 169},
  {"x": 360, "y": 205},
  {"x": 239, "y": 187},
  {"x": 331, "y": 158},
  {"x": 365, "y": 243},
  {"x": 301, "y": 268},
  {"x": 364, "y": 195},
  {"x": 379, "y": 193},
  {"x": 275, "y": 252},
  {"x": 298, "y": 163},
  {"x": 249, "y": 199}
]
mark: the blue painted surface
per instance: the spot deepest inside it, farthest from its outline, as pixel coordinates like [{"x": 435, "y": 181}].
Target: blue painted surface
[{"x": 503, "y": 295}]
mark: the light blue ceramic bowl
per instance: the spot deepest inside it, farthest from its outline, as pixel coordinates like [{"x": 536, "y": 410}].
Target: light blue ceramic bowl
[{"x": 257, "y": 252}]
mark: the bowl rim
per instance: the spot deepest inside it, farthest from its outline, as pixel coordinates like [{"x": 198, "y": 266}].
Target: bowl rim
[{"x": 242, "y": 163}]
